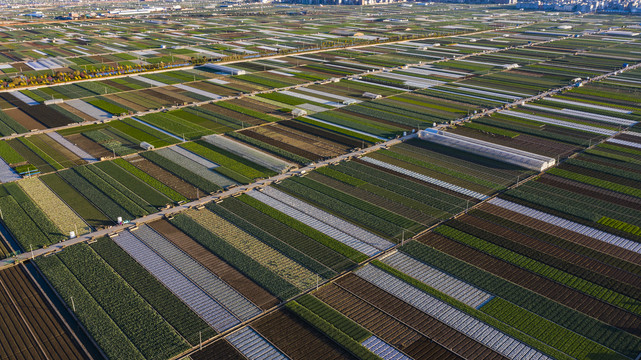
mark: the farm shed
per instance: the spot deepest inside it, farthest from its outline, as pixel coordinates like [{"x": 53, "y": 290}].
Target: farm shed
[
  {"x": 370, "y": 95},
  {"x": 299, "y": 112},
  {"x": 147, "y": 146},
  {"x": 225, "y": 69}
]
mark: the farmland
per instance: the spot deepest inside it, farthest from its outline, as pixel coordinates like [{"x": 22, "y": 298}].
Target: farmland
[{"x": 251, "y": 182}]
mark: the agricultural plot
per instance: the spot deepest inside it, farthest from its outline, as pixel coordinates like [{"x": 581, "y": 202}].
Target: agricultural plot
[
  {"x": 546, "y": 269},
  {"x": 386, "y": 327},
  {"x": 406, "y": 204},
  {"x": 296, "y": 142},
  {"x": 262, "y": 253},
  {"x": 123, "y": 326},
  {"x": 248, "y": 153},
  {"x": 309, "y": 341},
  {"x": 26, "y": 221},
  {"x": 291, "y": 232},
  {"x": 54, "y": 207},
  {"x": 343, "y": 231},
  {"x": 236, "y": 304},
  {"x": 570, "y": 320},
  {"x": 186, "y": 290},
  {"x": 226, "y": 272},
  {"x": 33, "y": 329},
  {"x": 194, "y": 163}
]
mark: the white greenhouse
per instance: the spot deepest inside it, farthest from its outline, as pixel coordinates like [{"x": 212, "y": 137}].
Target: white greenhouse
[{"x": 506, "y": 154}]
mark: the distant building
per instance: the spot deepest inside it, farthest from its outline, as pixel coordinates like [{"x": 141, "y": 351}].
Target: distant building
[
  {"x": 346, "y": 32},
  {"x": 35, "y": 14},
  {"x": 343, "y": 2}
]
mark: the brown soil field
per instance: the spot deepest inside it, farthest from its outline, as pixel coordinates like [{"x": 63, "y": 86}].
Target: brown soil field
[
  {"x": 447, "y": 337},
  {"x": 384, "y": 326},
  {"x": 219, "y": 350},
  {"x": 29, "y": 328},
  {"x": 568, "y": 235},
  {"x": 164, "y": 176},
  {"x": 24, "y": 119},
  {"x": 89, "y": 145},
  {"x": 297, "y": 339}
]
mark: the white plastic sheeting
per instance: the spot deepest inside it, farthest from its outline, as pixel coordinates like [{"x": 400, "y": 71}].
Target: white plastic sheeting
[
  {"x": 346, "y": 226},
  {"x": 89, "y": 109},
  {"x": 195, "y": 157},
  {"x": 148, "y": 81},
  {"x": 567, "y": 124},
  {"x": 24, "y": 98},
  {"x": 431, "y": 180},
  {"x": 415, "y": 81},
  {"x": 588, "y": 105},
  {"x": 251, "y": 154},
  {"x": 506, "y": 154},
  {"x": 7, "y": 174},
  {"x": 225, "y": 69},
  {"x": 253, "y": 346},
  {"x": 584, "y": 115},
  {"x": 190, "y": 294},
  {"x": 625, "y": 143},
  {"x": 72, "y": 147},
  {"x": 450, "y": 316},
  {"x": 311, "y": 98},
  {"x": 489, "y": 93},
  {"x": 384, "y": 350},
  {"x": 326, "y": 94},
  {"x": 310, "y": 217},
  {"x": 443, "y": 282},
  {"x": 195, "y": 167},
  {"x": 569, "y": 225},
  {"x": 197, "y": 91},
  {"x": 215, "y": 287}
]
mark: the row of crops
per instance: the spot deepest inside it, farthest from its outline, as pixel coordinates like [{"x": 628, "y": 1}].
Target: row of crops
[
  {"x": 45, "y": 210},
  {"x": 266, "y": 253},
  {"x": 188, "y": 39},
  {"x": 452, "y": 93},
  {"x": 544, "y": 270}
]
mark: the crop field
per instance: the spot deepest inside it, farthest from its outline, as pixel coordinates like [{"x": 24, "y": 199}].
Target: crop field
[
  {"x": 31, "y": 321},
  {"x": 297, "y": 142},
  {"x": 258, "y": 181}
]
